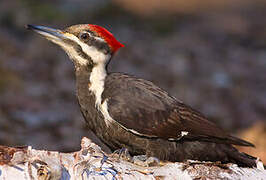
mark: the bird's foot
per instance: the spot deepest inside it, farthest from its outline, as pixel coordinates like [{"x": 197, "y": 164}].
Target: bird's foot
[
  {"x": 140, "y": 160},
  {"x": 143, "y": 160},
  {"x": 122, "y": 154}
]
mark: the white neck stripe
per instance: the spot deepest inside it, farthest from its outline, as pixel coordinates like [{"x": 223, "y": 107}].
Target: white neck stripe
[
  {"x": 97, "y": 79},
  {"x": 98, "y": 73}
]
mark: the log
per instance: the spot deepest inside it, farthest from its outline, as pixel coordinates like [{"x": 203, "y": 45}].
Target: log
[{"x": 92, "y": 163}]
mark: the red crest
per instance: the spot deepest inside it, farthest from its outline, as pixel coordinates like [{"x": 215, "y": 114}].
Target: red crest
[{"x": 107, "y": 36}]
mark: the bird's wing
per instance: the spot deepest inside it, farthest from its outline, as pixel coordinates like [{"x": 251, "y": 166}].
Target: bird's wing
[{"x": 146, "y": 110}]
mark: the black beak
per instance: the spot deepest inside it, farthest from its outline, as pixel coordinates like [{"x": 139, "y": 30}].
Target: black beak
[{"x": 47, "y": 31}]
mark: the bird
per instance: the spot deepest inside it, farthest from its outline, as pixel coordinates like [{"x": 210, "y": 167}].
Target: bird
[{"x": 125, "y": 111}]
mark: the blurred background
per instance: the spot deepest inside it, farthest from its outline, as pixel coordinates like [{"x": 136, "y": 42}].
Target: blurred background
[{"x": 210, "y": 54}]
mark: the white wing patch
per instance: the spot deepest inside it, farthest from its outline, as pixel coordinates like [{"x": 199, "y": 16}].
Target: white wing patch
[
  {"x": 184, "y": 133},
  {"x": 179, "y": 136},
  {"x": 259, "y": 164}
]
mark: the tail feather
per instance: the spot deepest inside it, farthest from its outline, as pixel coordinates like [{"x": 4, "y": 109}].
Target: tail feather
[
  {"x": 240, "y": 158},
  {"x": 238, "y": 141},
  {"x": 245, "y": 160}
]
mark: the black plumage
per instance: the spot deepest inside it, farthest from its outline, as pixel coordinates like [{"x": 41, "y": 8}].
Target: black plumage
[
  {"x": 134, "y": 113},
  {"x": 150, "y": 111}
]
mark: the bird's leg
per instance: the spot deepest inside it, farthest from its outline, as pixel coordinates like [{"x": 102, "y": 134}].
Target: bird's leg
[
  {"x": 143, "y": 160},
  {"x": 122, "y": 154}
]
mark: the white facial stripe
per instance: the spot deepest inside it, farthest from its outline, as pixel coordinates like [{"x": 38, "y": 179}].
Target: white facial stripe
[
  {"x": 99, "y": 39},
  {"x": 96, "y": 55},
  {"x": 98, "y": 72},
  {"x": 91, "y": 35},
  {"x": 68, "y": 48},
  {"x": 75, "y": 56},
  {"x": 71, "y": 52}
]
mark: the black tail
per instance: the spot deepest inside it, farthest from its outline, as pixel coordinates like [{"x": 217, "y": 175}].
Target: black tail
[
  {"x": 238, "y": 141},
  {"x": 239, "y": 158},
  {"x": 244, "y": 160}
]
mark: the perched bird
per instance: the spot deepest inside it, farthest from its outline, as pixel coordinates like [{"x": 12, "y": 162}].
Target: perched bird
[{"x": 128, "y": 112}]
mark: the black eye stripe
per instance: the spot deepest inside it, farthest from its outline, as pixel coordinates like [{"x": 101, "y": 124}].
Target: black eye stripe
[
  {"x": 87, "y": 34},
  {"x": 91, "y": 41},
  {"x": 100, "y": 45}
]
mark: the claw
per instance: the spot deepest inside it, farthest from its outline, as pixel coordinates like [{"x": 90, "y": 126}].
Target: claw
[
  {"x": 145, "y": 161},
  {"x": 122, "y": 154}
]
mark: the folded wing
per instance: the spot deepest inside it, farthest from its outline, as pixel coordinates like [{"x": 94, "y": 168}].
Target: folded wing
[{"x": 144, "y": 109}]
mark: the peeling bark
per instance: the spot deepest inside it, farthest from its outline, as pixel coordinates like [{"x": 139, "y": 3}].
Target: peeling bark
[{"x": 91, "y": 162}]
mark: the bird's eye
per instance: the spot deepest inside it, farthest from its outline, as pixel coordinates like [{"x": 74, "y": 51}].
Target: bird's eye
[{"x": 84, "y": 36}]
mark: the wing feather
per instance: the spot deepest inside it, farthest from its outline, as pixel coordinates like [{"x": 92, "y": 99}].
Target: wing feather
[{"x": 142, "y": 106}]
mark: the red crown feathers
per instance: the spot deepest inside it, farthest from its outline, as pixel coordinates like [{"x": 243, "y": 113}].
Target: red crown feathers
[{"x": 107, "y": 36}]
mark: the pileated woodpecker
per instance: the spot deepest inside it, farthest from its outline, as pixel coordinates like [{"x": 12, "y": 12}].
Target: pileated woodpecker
[{"x": 128, "y": 112}]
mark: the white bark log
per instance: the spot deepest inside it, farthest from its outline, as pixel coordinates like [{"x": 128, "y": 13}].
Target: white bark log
[{"x": 91, "y": 163}]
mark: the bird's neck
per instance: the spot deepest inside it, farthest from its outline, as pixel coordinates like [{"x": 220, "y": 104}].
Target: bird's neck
[
  {"x": 90, "y": 80},
  {"x": 83, "y": 74},
  {"x": 97, "y": 79}
]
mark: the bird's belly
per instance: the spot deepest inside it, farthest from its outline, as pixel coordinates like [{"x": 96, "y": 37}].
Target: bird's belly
[{"x": 116, "y": 137}]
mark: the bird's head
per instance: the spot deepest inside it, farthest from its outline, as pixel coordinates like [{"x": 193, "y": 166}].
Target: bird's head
[{"x": 85, "y": 43}]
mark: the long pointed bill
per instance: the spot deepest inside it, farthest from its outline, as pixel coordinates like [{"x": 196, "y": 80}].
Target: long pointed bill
[
  {"x": 49, "y": 33},
  {"x": 78, "y": 51}
]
